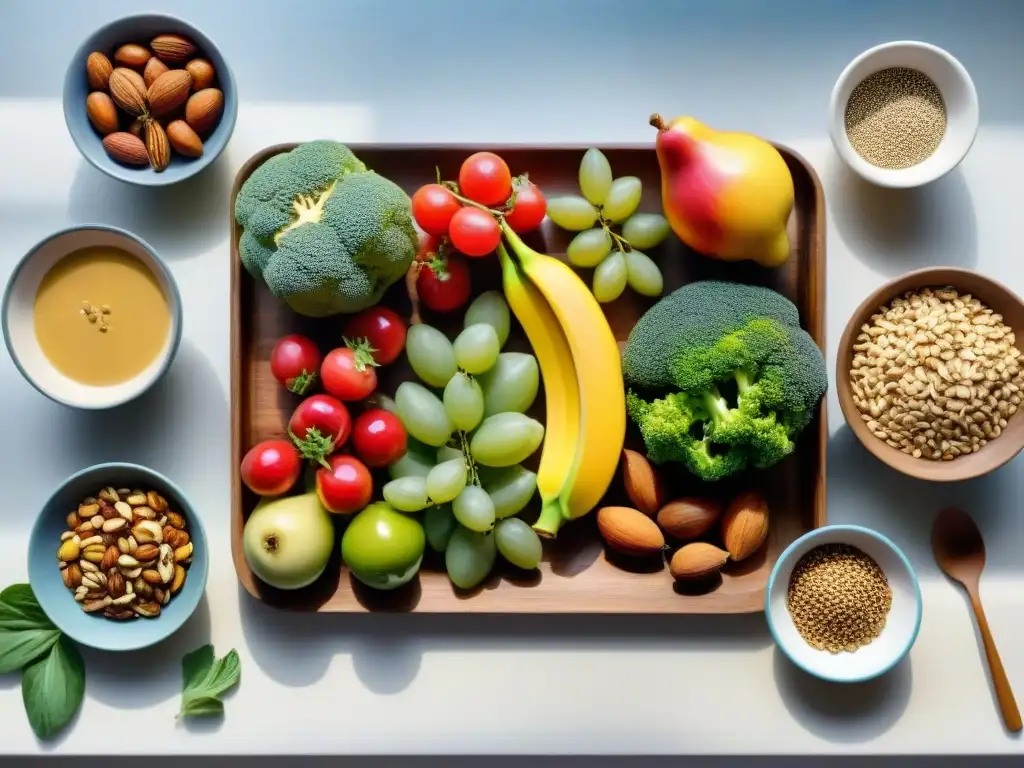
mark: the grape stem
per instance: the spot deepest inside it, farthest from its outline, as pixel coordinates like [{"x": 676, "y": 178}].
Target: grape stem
[
  {"x": 473, "y": 477},
  {"x": 620, "y": 242}
]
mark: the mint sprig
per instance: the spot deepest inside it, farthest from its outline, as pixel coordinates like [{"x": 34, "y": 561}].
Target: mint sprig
[{"x": 205, "y": 679}]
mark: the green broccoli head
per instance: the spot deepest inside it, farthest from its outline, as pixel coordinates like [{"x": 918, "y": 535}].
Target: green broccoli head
[
  {"x": 722, "y": 378},
  {"x": 324, "y": 233}
]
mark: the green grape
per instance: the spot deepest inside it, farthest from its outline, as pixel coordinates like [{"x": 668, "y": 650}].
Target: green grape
[
  {"x": 474, "y": 509},
  {"x": 645, "y": 230},
  {"x": 490, "y": 308},
  {"x": 407, "y": 494},
  {"x": 511, "y": 385},
  {"x": 447, "y": 453},
  {"x": 595, "y": 176},
  {"x": 511, "y": 490},
  {"x": 623, "y": 198},
  {"x": 422, "y": 414},
  {"x": 610, "y": 278},
  {"x": 643, "y": 274},
  {"x": 572, "y": 212},
  {"x": 518, "y": 543},
  {"x": 415, "y": 463},
  {"x": 464, "y": 402},
  {"x": 476, "y": 348},
  {"x": 469, "y": 557},
  {"x": 505, "y": 439},
  {"x": 438, "y": 524},
  {"x": 589, "y": 248},
  {"x": 430, "y": 354},
  {"x": 446, "y": 480}
]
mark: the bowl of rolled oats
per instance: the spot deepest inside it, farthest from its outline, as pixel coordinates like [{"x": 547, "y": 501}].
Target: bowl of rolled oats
[{"x": 929, "y": 374}]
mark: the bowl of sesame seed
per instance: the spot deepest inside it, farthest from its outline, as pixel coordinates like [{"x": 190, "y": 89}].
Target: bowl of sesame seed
[{"x": 903, "y": 114}]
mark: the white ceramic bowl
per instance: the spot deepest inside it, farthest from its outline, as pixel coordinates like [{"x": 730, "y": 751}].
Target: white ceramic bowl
[
  {"x": 901, "y": 626},
  {"x": 957, "y": 91},
  {"x": 19, "y": 325}
]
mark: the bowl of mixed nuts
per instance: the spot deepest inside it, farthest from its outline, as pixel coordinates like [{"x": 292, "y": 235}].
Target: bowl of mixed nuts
[
  {"x": 929, "y": 374},
  {"x": 149, "y": 100},
  {"x": 117, "y": 557}
]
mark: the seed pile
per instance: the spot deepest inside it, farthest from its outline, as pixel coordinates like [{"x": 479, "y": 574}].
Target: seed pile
[
  {"x": 838, "y": 597},
  {"x": 895, "y": 118},
  {"x": 936, "y": 374}
]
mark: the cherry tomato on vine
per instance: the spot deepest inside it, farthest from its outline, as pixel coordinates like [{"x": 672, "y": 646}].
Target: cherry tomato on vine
[
  {"x": 443, "y": 284},
  {"x": 379, "y": 437},
  {"x": 529, "y": 209},
  {"x": 485, "y": 179},
  {"x": 271, "y": 467},
  {"x": 294, "y": 362},
  {"x": 433, "y": 206},
  {"x": 319, "y": 426},
  {"x": 348, "y": 372},
  {"x": 345, "y": 486},
  {"x": 474, "y": 232},
  {"x": 382, "y": 328}
]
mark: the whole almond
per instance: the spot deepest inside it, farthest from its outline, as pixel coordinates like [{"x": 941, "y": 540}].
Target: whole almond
[
  {"x": 110, "y": 558},
  {"x": 183, "y": 139},
  {"x": 157, "y": 145},
  {"x": 629, "y": 531},
  {"x": 132, "y": 55},
  {"x": 102, "y": 112},
  {"x": 175, "y": 50},
  {"x": 128, "y": 90},
  {"x": 146, "y": 552},
  {"x": 125, "y": 148},
  {"x": 97, "y": 70},
  {"x": 745, "y": 525},
  {"x": 202, "y": 110},
  {"x": 202, "y": 73},
  {"x": 643, "y": 486},
  {"x": 154, "y": 68},
  {"x": 688, "y": 518},
  {"x": 696, "y": 561},
  {"x": 168, "y": 92}
]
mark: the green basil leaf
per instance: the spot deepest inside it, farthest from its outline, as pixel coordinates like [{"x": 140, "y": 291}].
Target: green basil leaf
[
  {"x": 196, "y": 665},
  {"x": 19, "y": 609},
  {"x": 202, "y": 707},
  {"x": 52, "y": 688},
  {"x": 24, "y": 646},
  {"x": 205, "y": 678}
]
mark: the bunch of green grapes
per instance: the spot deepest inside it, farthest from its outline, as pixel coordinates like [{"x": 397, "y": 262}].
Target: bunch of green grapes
[
  {"x": 463, "y": 466},
  {"x": 618, "y": 258}
]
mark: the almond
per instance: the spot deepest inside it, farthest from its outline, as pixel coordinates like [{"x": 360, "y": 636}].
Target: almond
[
  {"x": 97, "y": 70},
  {"x": 154, "y": 68},
  {"x": 173, "y": 49},
  {"x": 688, "y": 518},
  {"x": 146, "y": 552},
  {"x": 128, "y": 90},
  {"x": 696, "y": 561},
  {"x": 132, "y": 55},
  {"x": 643, "y": 486},
  {"x": 125, "y": 148},
  {"x": 202, "y": 110},
  {"x": 169, "y": 91},
  {"x": 157, "y": 146},
  {"x": 102, "y": 112},
  {"x": 629, "y": 531},
  {"x": 745, "y": 525},
  {"x": 183, "y": 139},
  {"x": 201, "y": 72},
  {"x": 110, "y": 558}
]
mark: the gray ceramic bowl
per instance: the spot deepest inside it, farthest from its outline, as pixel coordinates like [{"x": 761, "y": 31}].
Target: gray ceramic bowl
[
  {"x": 16, "y": 315},
  {"x": 141, "y": 29},
  {"x": 58, "y": 602}
]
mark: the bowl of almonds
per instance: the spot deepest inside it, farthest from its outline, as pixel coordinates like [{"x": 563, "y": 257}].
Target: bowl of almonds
[
  {"x": 117, "y": 557},
  {"x": 150, "y": 100}
]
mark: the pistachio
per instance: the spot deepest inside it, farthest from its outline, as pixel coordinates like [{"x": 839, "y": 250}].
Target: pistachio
[
  {"x": 86, "y": 511},
  {"x": 183, "y": 553},
  {"x": 124, "y": 511}
]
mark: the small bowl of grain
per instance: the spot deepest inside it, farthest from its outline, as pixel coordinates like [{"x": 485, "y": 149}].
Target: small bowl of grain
[
  {"x": 843, "y": 603},
  {"x": 903, "y": 114},
  {"x": 929, "y": 374}
]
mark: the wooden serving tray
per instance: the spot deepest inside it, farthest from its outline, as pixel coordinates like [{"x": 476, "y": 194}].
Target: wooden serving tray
[{"x": 577, "y": 575}]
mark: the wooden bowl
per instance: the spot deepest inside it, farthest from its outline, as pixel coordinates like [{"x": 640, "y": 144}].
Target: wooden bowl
[{"x": 993, "y": 454}]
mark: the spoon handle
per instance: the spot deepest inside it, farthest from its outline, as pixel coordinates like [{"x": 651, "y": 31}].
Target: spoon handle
[{"x": 1007, "y": 703}]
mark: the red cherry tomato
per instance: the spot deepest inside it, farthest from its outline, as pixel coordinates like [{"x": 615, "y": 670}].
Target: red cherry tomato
[
  {"x": 433, "y": 207},
  {"x": 485, "y": 178},
  {"x": 443, "y": 284},
  {"x": 379, "y": 437},
  {"x": 270, "y": 468},
  {"x": 474, "y": 232},
  {"x": 349, "y": 372},
  {"x": 383, "y": 329},
  {"x": 429, "y": 247},
  {"x": 344, "y": 487},
  {"x": 294, "y": 362},
  {"x": 319, "y": 426},
  {"x": 529, "y": 209}
]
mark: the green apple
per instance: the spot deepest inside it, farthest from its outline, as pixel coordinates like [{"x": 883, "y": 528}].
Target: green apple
[
  {"x": 382, "y": 547},
  {"x": 288, "y": 540}
]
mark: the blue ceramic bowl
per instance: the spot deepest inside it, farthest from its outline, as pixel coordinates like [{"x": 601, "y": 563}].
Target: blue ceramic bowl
[
  {"x": 902, "y": 623},
  {"x": 141, "y": 29},
  {"x": 58, "y": 601}
]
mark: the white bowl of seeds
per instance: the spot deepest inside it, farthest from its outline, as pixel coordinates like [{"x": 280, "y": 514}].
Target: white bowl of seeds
[{"x": 903, "y": 114}]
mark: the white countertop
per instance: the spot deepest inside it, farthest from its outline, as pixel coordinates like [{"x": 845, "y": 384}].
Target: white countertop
[{"x": 458, "y": 684}]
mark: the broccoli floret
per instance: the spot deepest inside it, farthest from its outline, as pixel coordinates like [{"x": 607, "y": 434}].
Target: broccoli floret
[
  {"x": 325, "y": 234},
  {"x": 722, "y": 377}
]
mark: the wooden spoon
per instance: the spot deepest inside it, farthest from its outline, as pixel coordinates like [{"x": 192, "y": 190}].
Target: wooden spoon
[{"x": 960, "y": 553}]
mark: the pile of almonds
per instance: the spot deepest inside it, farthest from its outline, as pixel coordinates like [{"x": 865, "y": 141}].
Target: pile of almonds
[
  {"x": 150, "y": 101},
  {"x": 644, "y": 529},
  {"x": 125, "y": 553}
]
